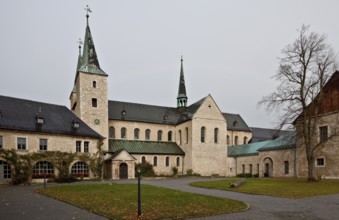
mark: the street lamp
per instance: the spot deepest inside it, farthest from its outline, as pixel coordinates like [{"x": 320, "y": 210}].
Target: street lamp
[
  {"x": 139, "y": 194},
  {"x": 44, "y": 166}
]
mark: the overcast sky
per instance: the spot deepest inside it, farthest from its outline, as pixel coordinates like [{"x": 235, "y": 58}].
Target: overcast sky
[{"x": 230, "y": 48}]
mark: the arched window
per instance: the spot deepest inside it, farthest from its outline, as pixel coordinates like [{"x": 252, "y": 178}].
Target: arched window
[
  {"x": 80, "y": 169},
  {"x": 155, "y": 161},
  {"x": 7, "y": 173},
  {"x": 178, "y": 161},
  {"x": 202, "y": 135},
  {"x": 123, "y": 133},
  {"x": 216, "y": 134},
  {"x": 160, "y": 135},
  {"x": 236, "y": 140},
  {"x": 245, "y": 140},
  {"x": 167, "y": 162},
  {"x": 136, "y": 133},
  {"x": 180, "y": 138},
  {"x": 111, "y": 132},
  {"x": 186, "y": 135},
  {"x": 147, "y": 134},
  {"x": 42, "y": 169},
  {"x": 94, "y": 84},
  {"x": 143, "y": 160},
  {"x": 228, "y": 139},
  {"x": 170, "y": 136}
]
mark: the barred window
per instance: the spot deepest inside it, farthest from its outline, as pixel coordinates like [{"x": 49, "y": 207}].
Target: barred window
[
  {"x": 7, "y": 173},
  {"x": 80, "y": 169},
  {"x": 43, "y": 144},
  {"x": 21, "y": 143},
  {"x": 42, "y": 169},
  {"x": 78, "y": 146},
  {"x": 86, "y": 146}
]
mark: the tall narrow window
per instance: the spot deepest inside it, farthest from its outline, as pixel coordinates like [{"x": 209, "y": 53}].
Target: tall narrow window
[
  {"x": 43, "y": 144},
  {"x": 236, "y": 139},
  {"x": 202, "y": 134},
  {"x": 123, "y": 133},
  {"x": 78, "y": 146},
  {"x": 94, "y": 84},
  {"x": 160, "y": 135},
  {"x": 323, "y": 132},
  {"x": 94, "y": 103},
  {"x": 243, "y": 169},
  {"x": 287, "y": 167},
  {"x": 136, "y": 133},
  {"x": 86, "y": 146},
  {"x": 170, "y": 136},
  {"x": 258, "y": 169},
  {"x": 143, "y": 160},
  {"x": 216, "y": 134},
  {"x": 167, "y": 162},
  {"x": 228, "y": 139},
  {"x": 155, "y": 161},
  {"x": 251, "y": 170},
  {"x": 1, "y": 142},
  {"x": 178, "y": 161},
  {"x": 147, "y": 134},
  {"x": 21, "y": 143},
  {"x": 180, "y": 140},
  {"x": 111, "y": 132},
  {"x": 186, "y": 135},
  {"x": 245, "y": 140}
]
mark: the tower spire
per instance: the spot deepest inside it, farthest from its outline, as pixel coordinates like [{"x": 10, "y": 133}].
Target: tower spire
[
  {"x": 182, "y": 97},
  {"x": 89, "y": 62}
]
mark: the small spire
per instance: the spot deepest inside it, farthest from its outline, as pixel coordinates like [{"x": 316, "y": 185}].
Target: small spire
[
  {"x": 182, "y": 97},
  {"x": 80, "y": 43}
]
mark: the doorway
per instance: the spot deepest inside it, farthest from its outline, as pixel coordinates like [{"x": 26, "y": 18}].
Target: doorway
[{"x": 123, "y": 171}]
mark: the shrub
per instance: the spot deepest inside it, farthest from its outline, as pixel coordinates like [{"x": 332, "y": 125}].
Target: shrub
[
  {"x": 245, "y": 175},
  {"x": 175, "y": 171},
  {"x": 146, "y": 169}
]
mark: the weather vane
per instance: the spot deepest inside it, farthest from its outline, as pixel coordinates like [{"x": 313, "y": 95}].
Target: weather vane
[
  {"x": 87, "y": 9},
  {"x": 80, "y": 42}
]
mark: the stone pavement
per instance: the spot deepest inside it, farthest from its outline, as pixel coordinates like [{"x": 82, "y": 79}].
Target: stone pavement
[{"x": 20, "y": 202}]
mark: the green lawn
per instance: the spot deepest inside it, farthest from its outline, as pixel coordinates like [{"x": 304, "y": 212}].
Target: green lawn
[
  {"x": 119, "y": 201},
  {"x": 289, "y": 188}
]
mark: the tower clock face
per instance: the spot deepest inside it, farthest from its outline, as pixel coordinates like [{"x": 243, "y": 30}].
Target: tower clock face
[{"x": 96, "y": 121}]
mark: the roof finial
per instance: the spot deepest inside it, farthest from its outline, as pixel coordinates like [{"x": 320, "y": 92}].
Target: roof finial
[
  {"x": 182, "y": 59},
  {"x": 80, "y": 43},
  {"x": 87, "y": 9}
]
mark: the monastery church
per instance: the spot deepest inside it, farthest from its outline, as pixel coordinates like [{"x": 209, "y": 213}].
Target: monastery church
[{"x": 194, "y": 138}]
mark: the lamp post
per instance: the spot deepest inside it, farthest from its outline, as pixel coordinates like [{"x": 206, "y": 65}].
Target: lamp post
[
  {"x": 44, "y": 166},
  {"x": 139, "y": 194}
]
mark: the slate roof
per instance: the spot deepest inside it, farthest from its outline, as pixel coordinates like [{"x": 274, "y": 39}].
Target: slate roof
[
  {"x": 118, "y": 110},
  {"x": 240, "y": 123},
  {"x": 264, "y": 134},
  {"x": 145, "y": 147},
  {"x": 20, "y": 114}
]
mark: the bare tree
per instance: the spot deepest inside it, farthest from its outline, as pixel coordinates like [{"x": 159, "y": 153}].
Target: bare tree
[{"x": 304, "y": 69}]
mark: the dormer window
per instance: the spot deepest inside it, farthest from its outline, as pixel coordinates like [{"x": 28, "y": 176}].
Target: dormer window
[
  {"x": 75, "y": 124},
  {"x": 123, "y": 113},
  {"x": 39, "y": 120}
]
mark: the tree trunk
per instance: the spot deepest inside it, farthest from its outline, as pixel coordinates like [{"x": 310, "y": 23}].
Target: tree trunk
[{"x": 310, "y": 165}]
